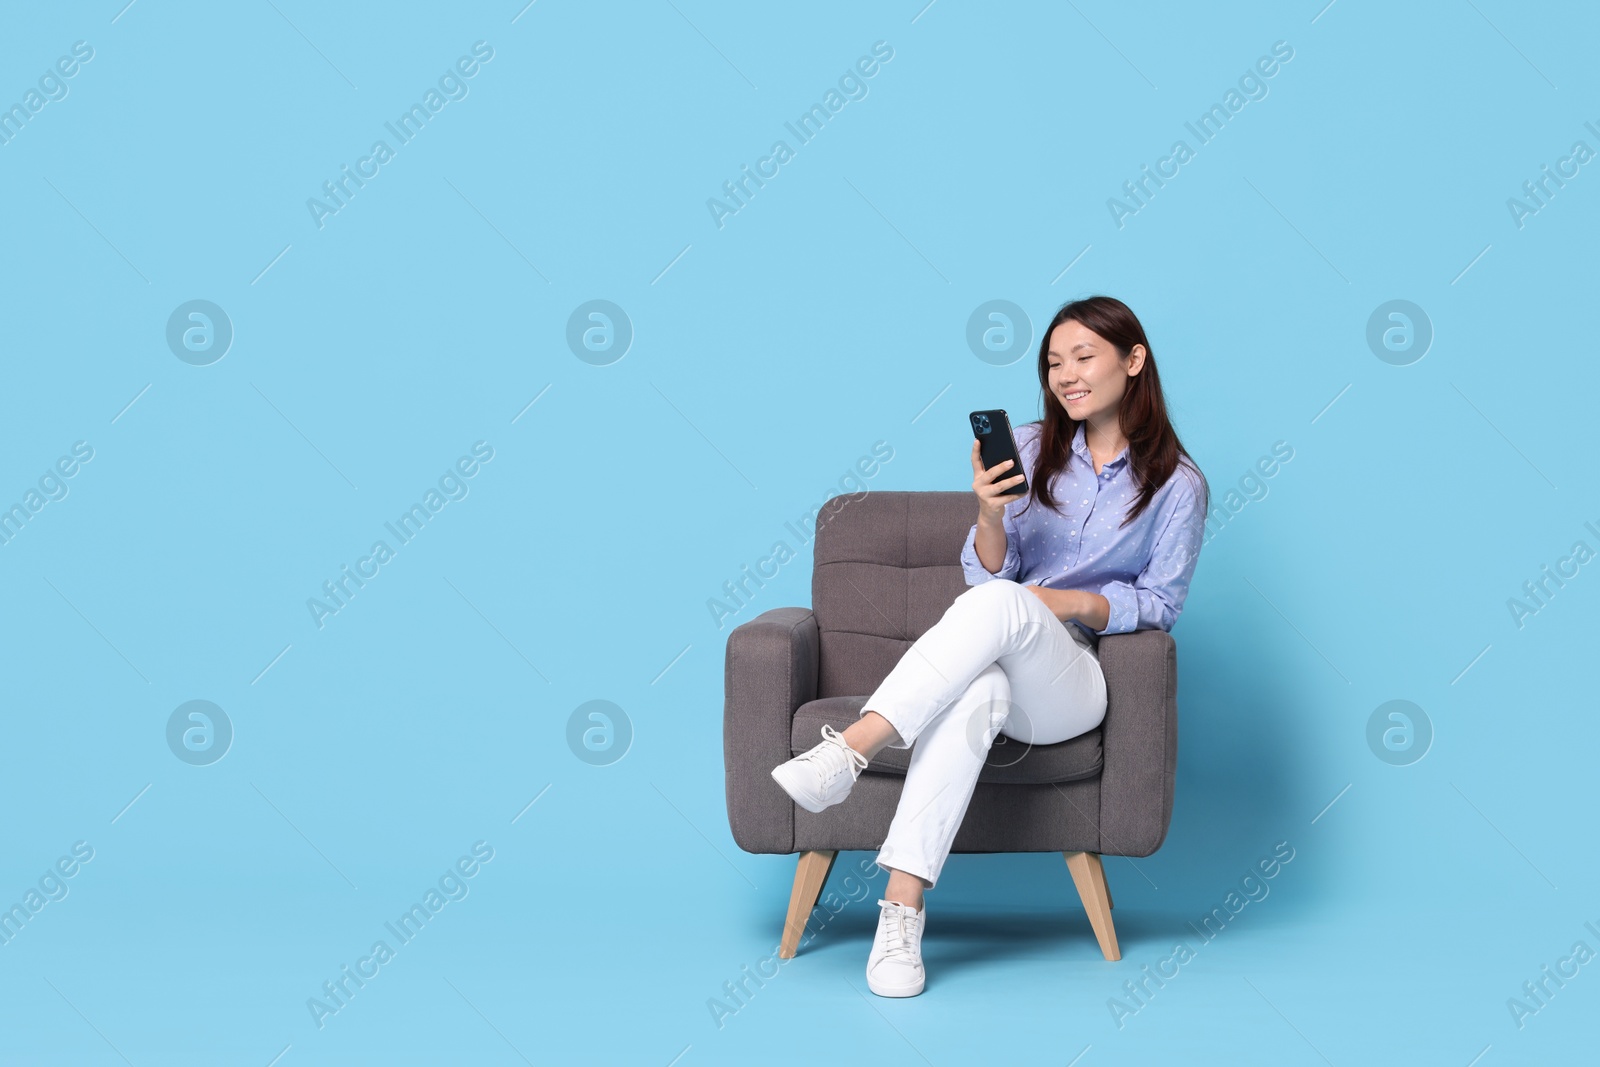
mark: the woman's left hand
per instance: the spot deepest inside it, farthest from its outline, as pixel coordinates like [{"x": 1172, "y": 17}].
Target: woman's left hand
[{"x": 1061, "y": 602}]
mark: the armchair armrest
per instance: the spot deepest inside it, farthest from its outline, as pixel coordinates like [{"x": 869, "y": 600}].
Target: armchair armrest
[
  {"x": 769, "y": 671},
  {"x": 1139, "y": 741}
]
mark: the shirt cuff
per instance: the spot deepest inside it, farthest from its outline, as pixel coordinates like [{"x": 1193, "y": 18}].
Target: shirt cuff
[
  {"x": 1124, "y": 616},
  {"x": 976, "y": 573}
]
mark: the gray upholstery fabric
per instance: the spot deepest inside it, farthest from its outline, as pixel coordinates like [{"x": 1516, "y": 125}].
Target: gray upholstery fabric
[{"x": 886, "y": 566}]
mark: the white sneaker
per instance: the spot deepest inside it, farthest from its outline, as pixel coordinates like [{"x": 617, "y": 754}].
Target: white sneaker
[
  {"x": 894, "y": 969},
  {"x": 817, "y": 779}
]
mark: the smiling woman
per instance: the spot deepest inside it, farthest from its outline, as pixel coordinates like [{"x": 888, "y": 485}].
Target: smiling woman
[
  {"x": 1104, "y": 541},
  {"x": 1114, "y": 542}
]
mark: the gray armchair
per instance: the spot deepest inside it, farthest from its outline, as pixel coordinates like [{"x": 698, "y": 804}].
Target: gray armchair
[{"x": 886, "y": 566}]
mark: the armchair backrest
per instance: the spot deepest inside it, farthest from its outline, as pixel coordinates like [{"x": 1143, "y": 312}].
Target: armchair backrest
[{"x": 886, "y": 565}]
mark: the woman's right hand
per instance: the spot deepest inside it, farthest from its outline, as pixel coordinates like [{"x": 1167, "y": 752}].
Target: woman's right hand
[{"x": 992, "y": 495}]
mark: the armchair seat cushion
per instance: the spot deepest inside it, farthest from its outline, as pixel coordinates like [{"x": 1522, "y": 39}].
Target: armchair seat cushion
[{"x": 1008, "y": 761}]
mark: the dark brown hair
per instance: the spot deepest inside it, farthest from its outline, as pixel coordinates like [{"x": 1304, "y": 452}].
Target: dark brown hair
[{"x": 1153, "y": 445}]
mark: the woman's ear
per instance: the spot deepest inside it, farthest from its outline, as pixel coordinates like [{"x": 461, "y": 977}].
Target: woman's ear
[{"x": 1136, "y": 360}]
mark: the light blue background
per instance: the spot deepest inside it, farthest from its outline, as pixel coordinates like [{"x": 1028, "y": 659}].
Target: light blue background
[{"x": 769, "y": 355}]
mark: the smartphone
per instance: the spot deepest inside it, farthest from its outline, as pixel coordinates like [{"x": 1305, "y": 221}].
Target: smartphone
[{"x": 996, "y": 445}]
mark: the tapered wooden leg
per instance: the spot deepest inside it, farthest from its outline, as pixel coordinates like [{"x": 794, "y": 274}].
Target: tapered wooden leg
[
  {"x": 1090, "y": 878},
  {"x": 809, "y": 876}
]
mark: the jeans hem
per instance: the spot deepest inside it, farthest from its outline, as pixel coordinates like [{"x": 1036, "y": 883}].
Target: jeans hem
[
  {"x": 890, "y": 720},
  {"x": 926, "y": 876}
]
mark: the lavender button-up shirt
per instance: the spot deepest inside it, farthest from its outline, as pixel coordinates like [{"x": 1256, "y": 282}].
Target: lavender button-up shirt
[{"x": 1143, "y": 568}]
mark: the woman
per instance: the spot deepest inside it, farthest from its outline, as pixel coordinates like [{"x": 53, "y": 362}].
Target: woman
[{"x": 1017, "y": 653}]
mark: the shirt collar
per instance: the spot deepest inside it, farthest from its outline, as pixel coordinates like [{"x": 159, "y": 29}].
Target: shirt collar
[{"x": 1080, "y": 445}]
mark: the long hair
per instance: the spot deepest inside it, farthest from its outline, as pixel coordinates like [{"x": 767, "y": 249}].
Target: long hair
[{"x": 1153, "y": 445}]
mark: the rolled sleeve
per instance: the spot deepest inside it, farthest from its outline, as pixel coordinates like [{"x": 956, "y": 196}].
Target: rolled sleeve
[
  {"x": 1154, "y": 599},
  {"x": 976, "y": 573},
  {"x": 1125, "y": 611}
]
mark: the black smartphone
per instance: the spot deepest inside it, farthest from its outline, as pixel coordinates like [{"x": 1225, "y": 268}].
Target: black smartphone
[{"x": 996, "y": 445}]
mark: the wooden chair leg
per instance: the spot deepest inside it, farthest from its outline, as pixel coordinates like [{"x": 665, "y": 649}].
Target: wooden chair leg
[
  {"x": 1090, "y": 878},
  {"x": 811, "y": 872}
]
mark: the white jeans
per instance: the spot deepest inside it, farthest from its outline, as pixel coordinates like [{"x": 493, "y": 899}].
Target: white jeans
[{"x": 997, "y": 662}]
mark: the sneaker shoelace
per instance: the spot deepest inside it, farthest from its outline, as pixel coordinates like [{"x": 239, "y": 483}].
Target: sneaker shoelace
[
  {"x": 897, "y": 940},
  {"x": 858, "y": 762}
]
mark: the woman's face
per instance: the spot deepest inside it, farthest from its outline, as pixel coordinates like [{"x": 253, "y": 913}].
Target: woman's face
[{"x": 1086, "y": 377}]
